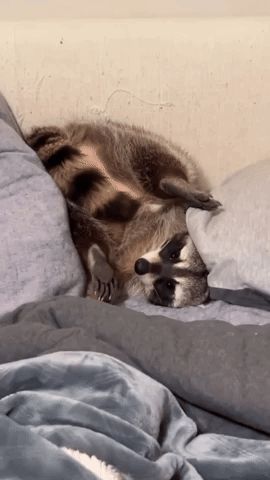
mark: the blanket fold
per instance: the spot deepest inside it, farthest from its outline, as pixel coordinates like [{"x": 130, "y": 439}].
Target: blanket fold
[
  {"x": 215, "y": 366},
  {"x": 101, "y": 407}
]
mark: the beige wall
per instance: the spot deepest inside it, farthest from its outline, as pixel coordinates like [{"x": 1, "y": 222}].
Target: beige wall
[
  {"x": 25, "y": 9},
  {"x": 204, "y": 84}
]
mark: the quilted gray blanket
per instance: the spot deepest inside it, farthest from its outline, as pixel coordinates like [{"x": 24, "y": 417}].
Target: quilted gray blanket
[{"x": 218, "y": 429}]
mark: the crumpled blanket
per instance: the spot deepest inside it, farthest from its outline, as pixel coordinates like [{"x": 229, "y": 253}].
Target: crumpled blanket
[{"x": 100, "y": 406}]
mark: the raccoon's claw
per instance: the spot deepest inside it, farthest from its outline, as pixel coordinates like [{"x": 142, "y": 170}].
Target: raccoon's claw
[
  {"x": 104, "y": 292},
  {"x": 108, "y": 292},
  {"x": 103, "y": 285}
]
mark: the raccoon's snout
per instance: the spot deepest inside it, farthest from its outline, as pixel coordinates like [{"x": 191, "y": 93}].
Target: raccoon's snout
[{"x": 142, "y": 266}]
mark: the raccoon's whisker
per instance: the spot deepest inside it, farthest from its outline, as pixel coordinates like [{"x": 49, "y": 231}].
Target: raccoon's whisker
[{"x": 157, "y": 293}]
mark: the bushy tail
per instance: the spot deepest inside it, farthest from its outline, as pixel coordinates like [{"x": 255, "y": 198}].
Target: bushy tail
[{"x": 52, "y": 146}]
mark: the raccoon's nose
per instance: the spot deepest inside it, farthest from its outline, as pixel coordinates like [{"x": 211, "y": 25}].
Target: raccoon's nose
[{"x": 141, "y": 266}]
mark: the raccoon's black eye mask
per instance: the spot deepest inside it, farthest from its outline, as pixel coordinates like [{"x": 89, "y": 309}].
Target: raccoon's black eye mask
[
  {"x": 167, "y": 259},
  {"x": 170, "y": 252}
]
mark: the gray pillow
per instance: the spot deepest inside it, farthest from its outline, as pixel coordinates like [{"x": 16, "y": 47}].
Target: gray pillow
[
  {"x": 235, "y": 241},
  {"x": 37, "y": 256}
]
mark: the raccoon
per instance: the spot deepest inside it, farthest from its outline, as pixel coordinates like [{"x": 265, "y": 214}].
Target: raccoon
[{"x": 127, "y": 191}]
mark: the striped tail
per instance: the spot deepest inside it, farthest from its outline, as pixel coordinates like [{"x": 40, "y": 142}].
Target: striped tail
[{"x": 52, "y": 146}]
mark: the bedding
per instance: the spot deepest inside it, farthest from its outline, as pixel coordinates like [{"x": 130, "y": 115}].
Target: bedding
[
  {"x": 96, "y": 404},
  {"x": 33, "y": 210},
  {"x": 218, "y": 428},
  {"x": 234, "y": 241},
  {"x": 80, "y": 374},
  {"x": 213, "y": 310}
]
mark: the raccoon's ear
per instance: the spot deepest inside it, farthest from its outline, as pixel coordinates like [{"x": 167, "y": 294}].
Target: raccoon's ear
[{"x": 178, "y": 188}]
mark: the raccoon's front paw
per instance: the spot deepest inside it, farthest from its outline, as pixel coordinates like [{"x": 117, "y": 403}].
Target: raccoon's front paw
[{"x": 103, "y": 285}]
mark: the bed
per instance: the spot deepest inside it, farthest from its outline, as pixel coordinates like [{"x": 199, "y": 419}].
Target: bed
[{"x": 155, "y": 393}]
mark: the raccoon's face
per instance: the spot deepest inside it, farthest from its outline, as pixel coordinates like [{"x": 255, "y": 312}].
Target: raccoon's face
[{"x": 173, "y": 275}]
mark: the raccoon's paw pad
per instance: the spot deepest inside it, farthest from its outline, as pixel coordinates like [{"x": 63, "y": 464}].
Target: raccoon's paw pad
[{"x": 202, "y": 200}]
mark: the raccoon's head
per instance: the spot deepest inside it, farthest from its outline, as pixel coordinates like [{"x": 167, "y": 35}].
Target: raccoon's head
[
  {"x": 158, "y": 258},
  {"x": 173, "y": 275}
]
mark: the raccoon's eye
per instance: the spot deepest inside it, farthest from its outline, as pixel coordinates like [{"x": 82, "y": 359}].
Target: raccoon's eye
[
  {"x": 170, "y": 285},
  {"x": 175, "y": 255}
]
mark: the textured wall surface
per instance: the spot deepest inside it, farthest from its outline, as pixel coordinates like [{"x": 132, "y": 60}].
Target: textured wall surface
[
  {"x": 25, "y": 9},
  {"x": 203, "y": 83}
]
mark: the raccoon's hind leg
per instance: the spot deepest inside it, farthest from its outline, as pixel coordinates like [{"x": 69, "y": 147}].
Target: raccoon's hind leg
[
  {"x": 170, "y": 175},
  {"x": 176, "y": 187}
]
